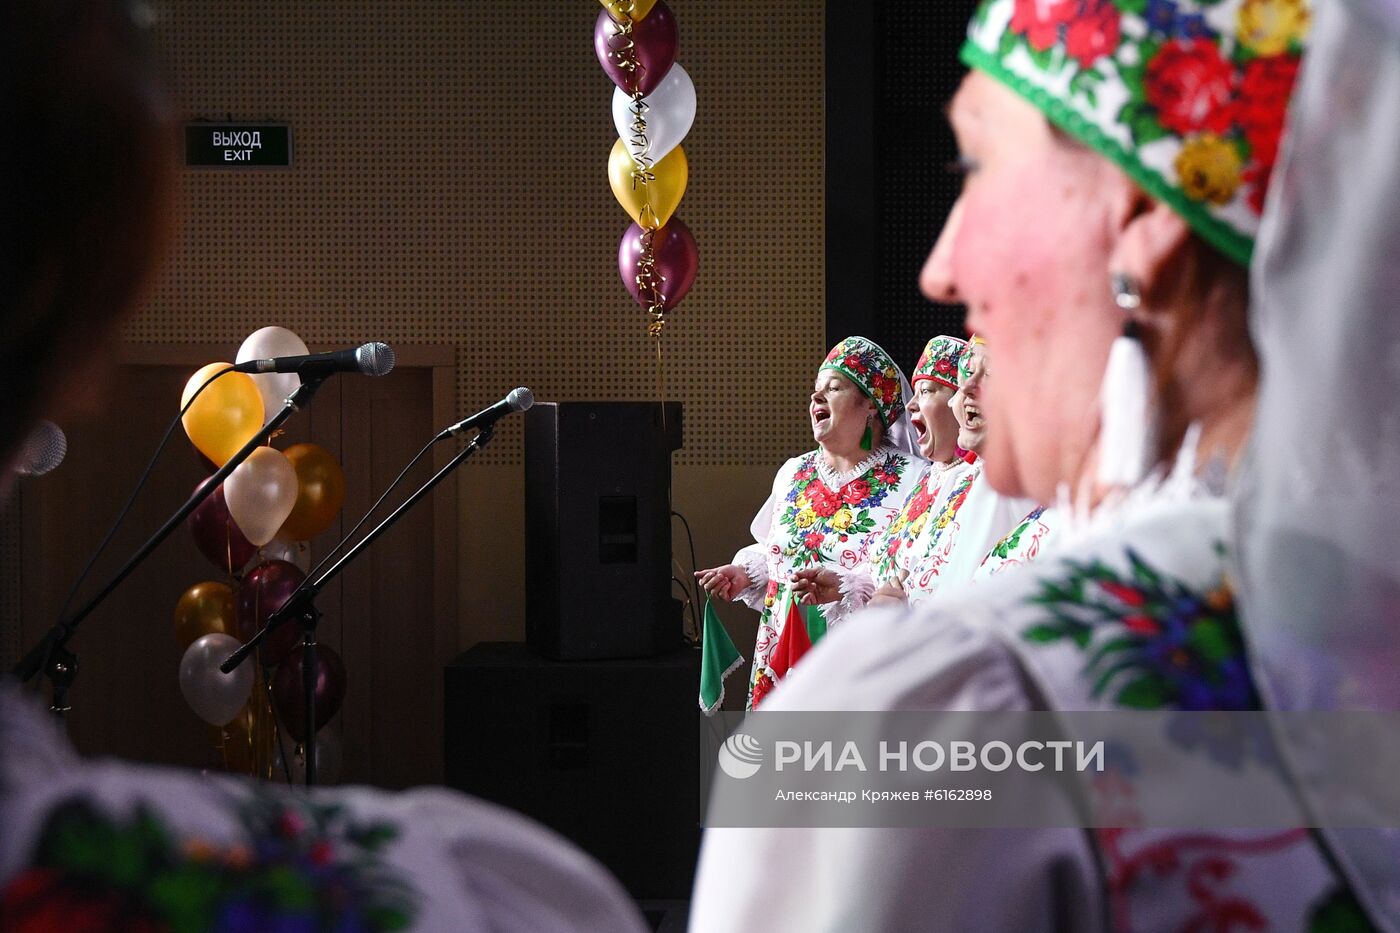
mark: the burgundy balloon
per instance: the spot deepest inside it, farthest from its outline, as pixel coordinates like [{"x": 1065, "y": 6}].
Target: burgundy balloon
[
  {"x": 655, "y": 40},
  {"x": 263, "y": 591},
  {"x": 217, "y": 535},
  {"x": 288, "y": 690},
  {"x": 676, "y": 257}
]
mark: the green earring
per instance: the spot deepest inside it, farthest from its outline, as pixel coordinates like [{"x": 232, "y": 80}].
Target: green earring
[{"x": 867, "y": 440}]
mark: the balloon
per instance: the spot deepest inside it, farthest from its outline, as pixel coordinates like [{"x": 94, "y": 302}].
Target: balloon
[
  {"x": 236, "y": 741},
  {"x": 653, "y": 41},
  {"x": 628, "y": 9},
  {"x": 329, "y": 760},
  {"x": 652, "y": 203},
  {"x": 205, "y": 609},
  {"x": 225, "y": 416},
  {"x": 217, "y": 535},
  {"x": 263, "y": 592},
  {"x": 288, "y": 692},
  {"x": 293, "y": 552},
  {"x": 261, "y": 494},
  {"x": 320, "y": 491},
  {"x": 675, "y": 259},
  {"x": 265, "y": 344},
  {"x": 214, "y": 696},
  {"x": 669, "y": 111}
]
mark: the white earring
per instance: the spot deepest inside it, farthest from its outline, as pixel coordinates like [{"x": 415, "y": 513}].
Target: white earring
[{"x": 1128, "y": 419}]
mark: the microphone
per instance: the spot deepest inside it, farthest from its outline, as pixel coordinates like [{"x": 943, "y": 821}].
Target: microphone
[
  {"x": 43, "y": 450},
  {"x": 372, "y": 359},
  {"x": 518, "y": 400}
]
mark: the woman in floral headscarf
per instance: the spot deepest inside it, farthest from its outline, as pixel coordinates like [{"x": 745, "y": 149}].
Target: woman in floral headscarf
[
  {"x": 1116, "y": 157},
  {"x": 826, "y": 506}
]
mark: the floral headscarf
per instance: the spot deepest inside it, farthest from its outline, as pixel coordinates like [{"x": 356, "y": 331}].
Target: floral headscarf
[
  {"x": 965, "y": 359},
  {"x": 863, "y": 362},
  {"x": 1186, "y": 96},
  {"x": 939, "y": 361}
]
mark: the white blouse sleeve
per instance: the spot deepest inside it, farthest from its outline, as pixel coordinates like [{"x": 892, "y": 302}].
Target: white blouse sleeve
[
  {"x": 894, "y": 879},
  {"x": 754, "y": 557},
  {"x": 857, "y": 586}
]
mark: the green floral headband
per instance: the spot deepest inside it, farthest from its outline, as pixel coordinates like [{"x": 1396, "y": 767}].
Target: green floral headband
[{"x": 1187, "y": 96}]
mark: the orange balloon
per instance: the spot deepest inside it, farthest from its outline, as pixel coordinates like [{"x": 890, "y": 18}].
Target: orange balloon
[
  {"x": 205, "y": 609},
  {"x": 225, "y": 416},
  {"x": 320, "y": 492}
]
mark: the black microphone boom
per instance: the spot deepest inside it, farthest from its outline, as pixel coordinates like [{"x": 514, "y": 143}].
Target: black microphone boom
[
  {"x": 519, "y": 399},
  {"x": 372, "y": 359}
]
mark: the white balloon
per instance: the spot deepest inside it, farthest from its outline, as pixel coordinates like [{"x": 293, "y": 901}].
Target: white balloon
[
  {"x": 214, "y": 696},
  {"x": 670, "y": 110},
  {"x": 293, "y": 552},
  {"x": 329, "y": 759},
  {"x": 261, "y": 493},
  {"x": 264, "y": 344}
]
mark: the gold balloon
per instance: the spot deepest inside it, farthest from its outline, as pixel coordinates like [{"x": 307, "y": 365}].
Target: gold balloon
[
  {"x": 248, "y": 743},
  {"x": 320, "y": 492},
  {"x": 235, "y": 740},
  {"x": 652, "y": 201},
  {"x": 628, "y": 9},
  {"x": 205, "y": 609},
  {"x": 225, "y": 416}
]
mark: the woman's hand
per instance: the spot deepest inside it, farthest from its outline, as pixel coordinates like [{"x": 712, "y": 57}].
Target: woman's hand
[
  {"x": 724, "y": 582},
  {"x": 815, "y": 586},
  {"x": 889, "y": 594}
]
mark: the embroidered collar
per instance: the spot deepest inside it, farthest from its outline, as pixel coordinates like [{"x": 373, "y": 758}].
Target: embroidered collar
[{"x": 834, "y": 480}]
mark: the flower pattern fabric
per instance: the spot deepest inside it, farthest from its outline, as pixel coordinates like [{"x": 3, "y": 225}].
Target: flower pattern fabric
[
  {"x": 1187, "y": 96},
  {"x": 811, "y": 524},
  {"x": 939, "y": 361},
  {"x": 301, "y": 866},
  {"x": 1151, "y": 640},
  {"x": 1023, "y": 543},
  {"x": 871, "y": 368}
]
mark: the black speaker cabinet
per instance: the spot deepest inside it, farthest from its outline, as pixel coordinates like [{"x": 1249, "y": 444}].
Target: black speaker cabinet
[
  {"x": 606, "y": 753},
  {"x": 598, "y": 529}
]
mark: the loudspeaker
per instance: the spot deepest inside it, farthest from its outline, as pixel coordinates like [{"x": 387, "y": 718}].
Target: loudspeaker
[
  {"x": 598, "y": 529},
  {"x": 605, "y": 752}
]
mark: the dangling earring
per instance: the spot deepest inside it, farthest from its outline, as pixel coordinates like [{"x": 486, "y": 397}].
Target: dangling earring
[
  {"x": 867, "y": 440},
  {"x": 1128, "y": 420}
]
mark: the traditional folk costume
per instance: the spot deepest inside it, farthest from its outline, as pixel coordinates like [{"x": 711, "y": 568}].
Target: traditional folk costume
[
  {"x": 1023, "y": 543},
  {"x": 1133, "y": 609},
  {"x": 1316, "y": 568},
  {"x": 816, "y": 517},
  {"x": 898, "y": 550},
  {"x": 112, "y": 845},
  {"x": 969, "y": 518}
]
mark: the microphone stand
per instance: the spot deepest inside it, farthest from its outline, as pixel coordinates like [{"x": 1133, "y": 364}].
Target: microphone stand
[
  {"x": 301, "y": 604},
  {"x": 51, "y": 653}
]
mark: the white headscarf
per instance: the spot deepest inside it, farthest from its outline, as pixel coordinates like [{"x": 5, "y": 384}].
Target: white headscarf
[
  {"x": 901, "y": 434},
  {"x": 1317, "y": 508}
]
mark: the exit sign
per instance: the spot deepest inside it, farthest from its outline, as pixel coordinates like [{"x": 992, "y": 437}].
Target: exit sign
[{"x": 238, "y": 145}]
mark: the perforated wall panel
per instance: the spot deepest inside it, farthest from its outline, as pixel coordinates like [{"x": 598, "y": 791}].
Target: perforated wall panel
[{"x": 449, "y": 186}]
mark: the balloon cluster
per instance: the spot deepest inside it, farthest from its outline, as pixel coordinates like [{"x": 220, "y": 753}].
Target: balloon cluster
[
  {"x": 260, "y": 516},
  {"x": 653, "y": 107}
]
